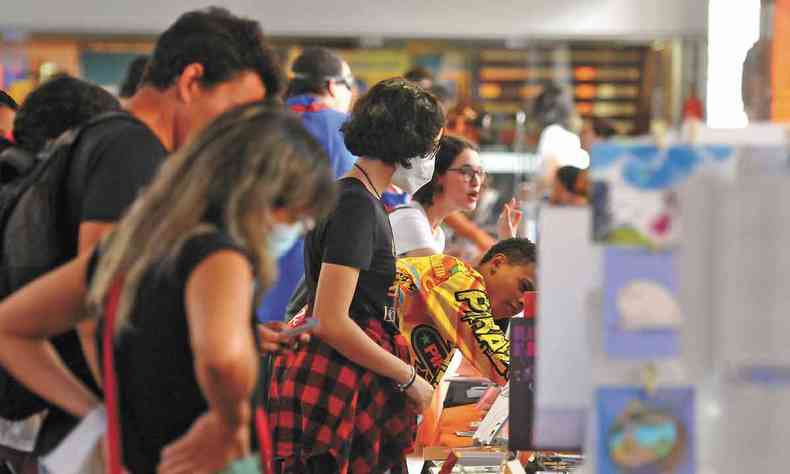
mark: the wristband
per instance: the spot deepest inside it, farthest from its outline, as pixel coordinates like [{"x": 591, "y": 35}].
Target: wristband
[{"x": 402, "y": 387}]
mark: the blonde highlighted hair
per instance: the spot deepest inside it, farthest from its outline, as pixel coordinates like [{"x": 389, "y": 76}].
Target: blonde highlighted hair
[{"x": 248, "y": 162}]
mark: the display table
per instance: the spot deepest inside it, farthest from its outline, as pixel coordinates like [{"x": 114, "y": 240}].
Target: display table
[{"x": 439, "y": 422}]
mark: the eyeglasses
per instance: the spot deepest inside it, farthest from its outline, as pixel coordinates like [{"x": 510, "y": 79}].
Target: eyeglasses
[{"x": 470, "y": 172}]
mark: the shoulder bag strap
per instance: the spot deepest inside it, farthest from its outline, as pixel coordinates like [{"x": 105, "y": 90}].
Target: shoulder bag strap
[{"x": 110, "y": 383}]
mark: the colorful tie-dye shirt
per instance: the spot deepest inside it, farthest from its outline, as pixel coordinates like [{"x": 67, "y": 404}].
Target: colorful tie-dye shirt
[{"x": 442, "y": 304}]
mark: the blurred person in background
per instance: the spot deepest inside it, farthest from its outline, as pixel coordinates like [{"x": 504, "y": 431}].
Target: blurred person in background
[
  {"x": 132, "y": 79},
  {"x": 60, "y": 103},
  {"x": 445, "y": 97},
  {"x": 557, "y": 146},
  {"x": 595, "y": 130},
  {"x": 320, "y": 92},
  {"x": 468, "y": 120},
  {"x": 422, "y": 76},
  {"x": 570, "y": 187},
  {"x": 8, "y": 108},
  {"x": 176, "y": 280},
  {"x": 756, "y": 90}
]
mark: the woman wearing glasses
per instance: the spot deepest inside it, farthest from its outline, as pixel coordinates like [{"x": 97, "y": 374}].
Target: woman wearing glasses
[{"x": 456, "y": 186}]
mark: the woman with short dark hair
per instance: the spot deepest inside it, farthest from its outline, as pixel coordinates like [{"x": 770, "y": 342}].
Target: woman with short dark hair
[{"x": 349, "y": 399}]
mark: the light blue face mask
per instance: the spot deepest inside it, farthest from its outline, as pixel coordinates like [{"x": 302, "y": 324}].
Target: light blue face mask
[{"x": 282, "y": 237}]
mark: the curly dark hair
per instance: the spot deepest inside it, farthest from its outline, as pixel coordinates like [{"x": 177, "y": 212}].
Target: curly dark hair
[
  {"x": 57, "y": 105},
  {"x": 223, "y": 43},
  {"x": 518, "y": 251},
  {"x": 449, "y": 148},
  {"x": 395, "y": 121}
]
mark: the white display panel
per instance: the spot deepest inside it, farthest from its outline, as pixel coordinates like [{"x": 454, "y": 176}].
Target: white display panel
[{"x": 568, "y": 272}]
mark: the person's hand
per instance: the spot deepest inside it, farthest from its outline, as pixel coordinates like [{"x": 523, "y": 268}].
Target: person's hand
[
  {"x": 208, "y": 446},
  {"x": 421, "y": 393},
  {"x": 509, "y": 219},
  {"x": 272, "y": 340}
]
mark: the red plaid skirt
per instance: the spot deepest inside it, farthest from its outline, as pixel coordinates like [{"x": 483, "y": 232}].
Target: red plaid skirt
[{"x": 320, "y": 402}]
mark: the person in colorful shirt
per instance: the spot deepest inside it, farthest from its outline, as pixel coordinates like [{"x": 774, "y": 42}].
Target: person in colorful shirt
[{"x": 443, "y": 303}]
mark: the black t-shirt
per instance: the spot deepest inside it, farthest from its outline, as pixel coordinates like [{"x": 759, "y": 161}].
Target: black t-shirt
[
  {"x": 122, "y": 163},
  {"x": 158, "y": 393},
  {"x": 356, "y": 234},
  {"x": 121, "y": 157}
]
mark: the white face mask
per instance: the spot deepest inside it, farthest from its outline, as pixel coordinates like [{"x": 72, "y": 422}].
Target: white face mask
[
  {"x": 282, "y": 238},
  {"x": 412, "y": 179}
]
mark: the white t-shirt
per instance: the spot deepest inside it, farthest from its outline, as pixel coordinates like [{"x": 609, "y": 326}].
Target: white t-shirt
[
  {"x": 563, "y": 147},
  {"x": 412, "y": 231}
]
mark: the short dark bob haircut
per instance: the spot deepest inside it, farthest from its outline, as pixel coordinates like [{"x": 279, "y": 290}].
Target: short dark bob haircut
[{"x": 395, "y": 121}]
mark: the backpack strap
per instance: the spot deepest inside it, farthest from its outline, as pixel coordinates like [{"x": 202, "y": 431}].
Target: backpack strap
[
  {"x": 15, "y": 162},
  {"x": 115, "y": 461}
]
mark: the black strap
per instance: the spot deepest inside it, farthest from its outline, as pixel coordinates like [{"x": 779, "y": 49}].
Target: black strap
[
  {"x": 299, "y": 299},
  {"x": 370, "y": 182},
  {"x": 15, "y": 162}
]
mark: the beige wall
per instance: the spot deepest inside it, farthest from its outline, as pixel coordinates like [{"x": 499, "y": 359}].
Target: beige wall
[
  {"x": 64, "y": 53},
  {"x": 432, "y": 18}
]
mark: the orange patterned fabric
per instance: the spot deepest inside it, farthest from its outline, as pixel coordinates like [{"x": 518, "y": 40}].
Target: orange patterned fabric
[{"x": 442, "y": 304}]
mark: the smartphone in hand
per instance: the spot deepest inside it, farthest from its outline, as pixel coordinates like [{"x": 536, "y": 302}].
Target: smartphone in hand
[{"x": 307, "y": 326}]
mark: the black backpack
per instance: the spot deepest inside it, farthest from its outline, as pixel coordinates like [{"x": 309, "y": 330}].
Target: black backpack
[{"x": 39, "y": 229}]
